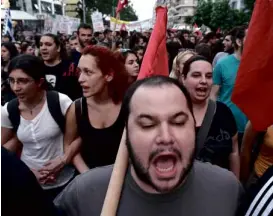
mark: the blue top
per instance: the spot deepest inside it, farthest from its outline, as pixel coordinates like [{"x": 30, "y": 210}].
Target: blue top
[{"x": 224, "y": 75}]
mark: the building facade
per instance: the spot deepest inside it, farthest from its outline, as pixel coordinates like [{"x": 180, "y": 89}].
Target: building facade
[
  {"x": 179, "y": 9},
  {"x": 237, "y": 4},
  {"x": 39, "y": 7}
]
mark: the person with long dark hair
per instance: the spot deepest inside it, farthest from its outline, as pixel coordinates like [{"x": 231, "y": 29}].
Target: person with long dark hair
[
  {"x": 8, "y": 52},
  {"x": 37, "y": 119},
  {"x": 60, "y": 72},
  {"x": 28, "y": 48},
  {"x": 18, "y": 47},
  {"x": 131, "y": 62}
]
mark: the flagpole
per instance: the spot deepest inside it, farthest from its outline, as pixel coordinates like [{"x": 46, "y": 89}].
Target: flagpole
[
  {"x": 114, "y": 30},
  {"x": 83, "y": 11}
]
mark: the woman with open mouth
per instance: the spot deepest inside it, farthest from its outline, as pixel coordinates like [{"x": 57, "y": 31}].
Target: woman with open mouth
[
  {"x": 33, "y": 124},
  {"x": 97, "y": 117},
  {"x": 220, "y": 144}
]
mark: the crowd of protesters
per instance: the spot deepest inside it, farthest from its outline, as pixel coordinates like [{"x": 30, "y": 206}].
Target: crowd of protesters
[{"x": 67, "y": 99}]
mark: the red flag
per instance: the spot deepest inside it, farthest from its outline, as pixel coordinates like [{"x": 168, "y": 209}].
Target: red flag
[
  {"x": 121, "y": 5},
  {"x": 155, "y": 61},
  {"x": 218, "y": 31},
  {"x": 195, "y": 25},
  {"x": 253, "y": 91}
]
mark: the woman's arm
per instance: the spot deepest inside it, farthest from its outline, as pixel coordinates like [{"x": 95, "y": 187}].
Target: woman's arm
[
  {"x": 234, "y": 157},
  {"x": 6, "y": 135},
  {"x": 14, "y": 145},
  {"x": 72, "y": 141},
  {"x": 71, "y": 144},
  {"x": 80, "y": 164},
  {"x": 248, "y": 140}
]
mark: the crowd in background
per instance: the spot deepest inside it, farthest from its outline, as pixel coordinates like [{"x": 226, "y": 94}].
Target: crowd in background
[{"x": 91, "y": 72}]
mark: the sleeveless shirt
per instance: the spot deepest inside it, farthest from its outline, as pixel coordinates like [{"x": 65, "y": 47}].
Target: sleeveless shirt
[{"x": 99, "y": 146}]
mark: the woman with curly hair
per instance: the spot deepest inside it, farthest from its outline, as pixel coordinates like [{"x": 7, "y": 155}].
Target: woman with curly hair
[{"x": 97, "y": 117}]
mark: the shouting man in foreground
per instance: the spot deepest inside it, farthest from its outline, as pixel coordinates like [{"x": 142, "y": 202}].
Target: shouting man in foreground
[{"x": 162, "y": 178}]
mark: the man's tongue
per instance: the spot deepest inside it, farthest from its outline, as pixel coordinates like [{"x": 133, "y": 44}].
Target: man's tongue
[{"x": 165, "y": 163}]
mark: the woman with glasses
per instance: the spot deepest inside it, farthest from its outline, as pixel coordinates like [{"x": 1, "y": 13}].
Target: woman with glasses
[
  {"x": 97, "y": 117},
  {"x": 30, "y": 119},
  {"x": 220, "y": 146}
]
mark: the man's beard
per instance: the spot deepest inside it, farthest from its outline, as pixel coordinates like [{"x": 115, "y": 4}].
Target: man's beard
[
  {"x": 230, "y": 50},
  {"x": 82, "y": 44},
  {"x": 143, "y": 173}
]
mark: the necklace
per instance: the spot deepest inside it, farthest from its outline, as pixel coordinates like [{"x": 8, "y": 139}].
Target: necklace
[{"x": 33, "y": 107}]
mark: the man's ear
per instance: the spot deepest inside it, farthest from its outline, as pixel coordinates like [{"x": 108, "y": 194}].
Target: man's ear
[{"x": 238, "y": 42}]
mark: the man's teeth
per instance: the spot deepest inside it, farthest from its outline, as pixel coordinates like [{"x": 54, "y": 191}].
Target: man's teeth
[{"x": 165, "y": 169}]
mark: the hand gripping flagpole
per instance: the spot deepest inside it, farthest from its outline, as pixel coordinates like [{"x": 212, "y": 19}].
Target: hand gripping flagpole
[{"x": 112, "y": 197}]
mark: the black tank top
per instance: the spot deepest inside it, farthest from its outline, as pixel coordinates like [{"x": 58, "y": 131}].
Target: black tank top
[{"x": 99, "y": 146}]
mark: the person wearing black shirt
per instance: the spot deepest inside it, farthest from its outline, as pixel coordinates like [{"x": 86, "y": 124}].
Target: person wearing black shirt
[
  {"x": 84, "y": 34},
  {"x": 97, "y": 117},
  {"x": 221, "y": 144},
  {"x": 60, "y": 72}
]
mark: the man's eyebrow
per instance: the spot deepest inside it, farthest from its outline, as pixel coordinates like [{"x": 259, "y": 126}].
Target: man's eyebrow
[
  {"x": 146, "y": 116},
  {"x": 180, "y": 114},
  {"x": 150, "y": 117}
]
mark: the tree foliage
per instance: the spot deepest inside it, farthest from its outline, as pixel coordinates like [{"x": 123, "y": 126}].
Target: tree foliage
[
  {"x": 249, "y": 6},
  {"x": 188, "y": 20},
  {"x": 109, "y": 6},
  {"x": 203, "y": 12},
  {"x": 218, "y": 15}
]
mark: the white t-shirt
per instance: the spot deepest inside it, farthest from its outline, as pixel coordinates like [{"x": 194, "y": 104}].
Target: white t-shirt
[{"x": 42, "y": 139}]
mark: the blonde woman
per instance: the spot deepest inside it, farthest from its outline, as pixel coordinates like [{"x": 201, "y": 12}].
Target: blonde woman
[{"x": 178, "y": 63}]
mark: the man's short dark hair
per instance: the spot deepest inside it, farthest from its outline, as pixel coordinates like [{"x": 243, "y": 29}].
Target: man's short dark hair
[
  {"x": 96, "y": 34},
  {"x": 74, "y": 37},
  {"x": 84, "y": 26},
  {"x": 154, "y": 81},
  {"x": 209, "y": 36},
  {"x": 232, "y": 34},
  {"x": 106, "y": 31},
  {"x": 185, "y": 31},
  {"x": 239, "y": 34}
]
